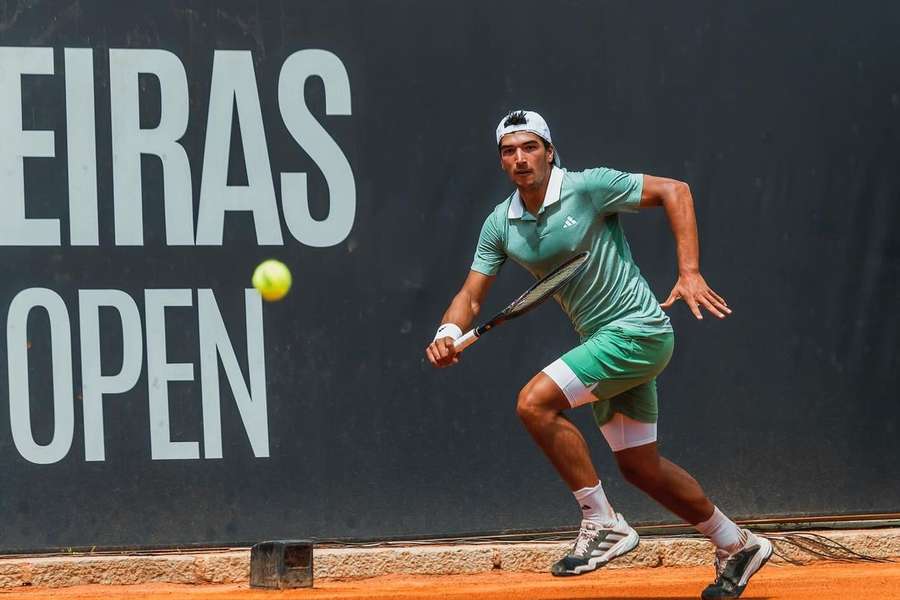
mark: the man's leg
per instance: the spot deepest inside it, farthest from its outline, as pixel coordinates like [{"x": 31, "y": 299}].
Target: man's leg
[
  {"x": 633, "y": 442},
  {"x": 739, "y": 553},
  {"x": 540, "y": 407},
  {"x": 665, "y": 482},
  {"x": 604, "y": 535}
]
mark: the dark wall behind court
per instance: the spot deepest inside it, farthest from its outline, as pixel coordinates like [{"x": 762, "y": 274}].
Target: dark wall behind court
[{"x": 782, "y": 116}]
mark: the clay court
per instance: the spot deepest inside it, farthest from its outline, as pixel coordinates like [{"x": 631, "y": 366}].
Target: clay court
[{"x": 822, "y": 581}]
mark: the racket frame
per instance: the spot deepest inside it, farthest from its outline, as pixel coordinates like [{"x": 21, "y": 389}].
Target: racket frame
[{"x": 471, "y": 336}]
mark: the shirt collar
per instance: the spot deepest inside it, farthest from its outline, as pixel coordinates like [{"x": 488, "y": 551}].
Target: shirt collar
[{"x": 551, "y": 196}]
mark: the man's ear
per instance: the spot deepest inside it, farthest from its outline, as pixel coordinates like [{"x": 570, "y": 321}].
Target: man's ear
[{"x": 551, "y": 152}]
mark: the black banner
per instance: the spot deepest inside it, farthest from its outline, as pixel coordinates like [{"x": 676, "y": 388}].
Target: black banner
[{"x": 151, "y": 154}]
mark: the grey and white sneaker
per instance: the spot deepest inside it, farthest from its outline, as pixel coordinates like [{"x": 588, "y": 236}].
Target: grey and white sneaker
[
  {"x": 595, "y": 546},
  {"x": 733, "y": 571}
]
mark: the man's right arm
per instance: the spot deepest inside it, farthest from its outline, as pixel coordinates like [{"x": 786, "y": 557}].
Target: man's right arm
[{"x": 461, "y": 312}]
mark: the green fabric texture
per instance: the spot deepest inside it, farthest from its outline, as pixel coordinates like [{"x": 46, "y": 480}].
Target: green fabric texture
[
  {"x": 620, "y": 369},
  {"x": 580, "y": 212}
]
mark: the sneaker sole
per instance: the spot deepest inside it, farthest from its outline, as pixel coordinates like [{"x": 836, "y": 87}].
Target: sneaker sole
[{"x": 620, "y": 548}]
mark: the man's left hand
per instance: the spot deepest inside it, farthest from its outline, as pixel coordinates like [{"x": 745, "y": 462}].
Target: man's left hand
[{"x": 695, "y": 292}]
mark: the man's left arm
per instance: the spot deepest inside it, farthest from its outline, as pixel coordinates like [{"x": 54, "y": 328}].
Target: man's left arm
[{"x": 675, "y": 197}]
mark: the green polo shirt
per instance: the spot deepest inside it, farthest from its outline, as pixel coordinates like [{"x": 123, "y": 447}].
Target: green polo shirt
[{"x": 580, "y": 212}]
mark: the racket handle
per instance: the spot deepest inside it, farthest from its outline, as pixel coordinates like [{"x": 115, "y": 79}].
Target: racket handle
[{"x": 465, "y": 341}]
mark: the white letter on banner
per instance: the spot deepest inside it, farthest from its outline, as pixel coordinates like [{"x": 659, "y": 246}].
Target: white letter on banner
[
  {"x": 81, "y": 143},
  {"x": 16, "y": 144},
  {"x": 160, "y": 373},
  {"x": 320, "y": 146},
  {"x": 215, "y": 344},
  {"x": 233, "y": 90},
  {"x": 17, "y": 362},
  {"x": 129, "y": 141},
  {"x": 93, "y": 383}
]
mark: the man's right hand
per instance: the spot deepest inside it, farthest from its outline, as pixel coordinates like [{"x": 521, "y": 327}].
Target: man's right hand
[
  {"x": 441, "y": 353},
  {"x": 461, "y": 312}
]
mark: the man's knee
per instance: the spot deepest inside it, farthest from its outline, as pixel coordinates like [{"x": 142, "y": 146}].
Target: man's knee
[
  {"x": 540, "y": 401},
  {"x": 531, "y": 406}
]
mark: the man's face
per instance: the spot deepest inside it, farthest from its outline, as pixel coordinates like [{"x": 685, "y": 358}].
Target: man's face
[{"x": 525, "y": 159}]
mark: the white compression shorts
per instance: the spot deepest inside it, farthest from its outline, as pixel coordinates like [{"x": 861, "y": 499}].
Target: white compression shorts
[{"x": 621, "y": 431}]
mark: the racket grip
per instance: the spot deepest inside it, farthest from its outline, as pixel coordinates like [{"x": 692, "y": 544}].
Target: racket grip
[{"x": 465, "y": 341}]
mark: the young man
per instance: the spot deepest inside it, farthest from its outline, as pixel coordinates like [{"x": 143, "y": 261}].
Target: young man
[{"x": 626, "y": 341}]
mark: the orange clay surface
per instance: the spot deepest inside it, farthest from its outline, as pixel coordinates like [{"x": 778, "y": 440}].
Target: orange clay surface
[{"x": 821, "y": 581}]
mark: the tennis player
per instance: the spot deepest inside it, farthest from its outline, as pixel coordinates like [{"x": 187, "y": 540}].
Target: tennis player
[{"x": 626, "y": 341}]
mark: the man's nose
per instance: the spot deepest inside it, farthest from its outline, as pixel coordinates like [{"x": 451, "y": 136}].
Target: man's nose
[{"x": 520, "y": 156}]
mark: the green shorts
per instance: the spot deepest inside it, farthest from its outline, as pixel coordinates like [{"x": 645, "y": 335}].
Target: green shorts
[{"x": 615, "y": 371}]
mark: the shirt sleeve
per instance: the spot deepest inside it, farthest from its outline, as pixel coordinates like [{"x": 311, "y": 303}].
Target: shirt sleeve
[
  {"x": 490, "y": 253},
  {"x": 613, "y": 191}
]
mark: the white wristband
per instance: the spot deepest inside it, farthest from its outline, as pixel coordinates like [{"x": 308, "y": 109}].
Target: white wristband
[{"x": 448, "y": 330}]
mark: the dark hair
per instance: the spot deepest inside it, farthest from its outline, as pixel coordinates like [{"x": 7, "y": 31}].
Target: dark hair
[{"x": 517, "y": 117}]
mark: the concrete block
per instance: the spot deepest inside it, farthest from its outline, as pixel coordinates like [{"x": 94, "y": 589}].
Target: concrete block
[
  {"x": 122, "y": 570},
  {"x": 222, "y": 567},
  {"x": 15, "y": 572},
  {"x": 344, "y": 563},
  {"x": 424, "y": 560}
]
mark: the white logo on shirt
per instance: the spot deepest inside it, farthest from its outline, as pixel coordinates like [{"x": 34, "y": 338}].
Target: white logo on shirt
[{"x": 569, "y": 222}]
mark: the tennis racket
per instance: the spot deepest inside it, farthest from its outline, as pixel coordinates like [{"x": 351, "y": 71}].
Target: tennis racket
[{"x": 533, "y": 296}]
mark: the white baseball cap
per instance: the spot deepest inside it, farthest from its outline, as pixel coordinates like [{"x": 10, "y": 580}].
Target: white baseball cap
[{"x": 526, "y": 120}]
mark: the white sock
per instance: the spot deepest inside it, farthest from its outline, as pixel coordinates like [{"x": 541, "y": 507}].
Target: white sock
[
  {"x": 594, "y": 505},
  {"x": 722, "y": 532}
]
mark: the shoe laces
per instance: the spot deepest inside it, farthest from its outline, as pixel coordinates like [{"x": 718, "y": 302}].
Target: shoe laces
[
  {"x": 586, "y": 535},
  {"x": 722, "y": 557}
]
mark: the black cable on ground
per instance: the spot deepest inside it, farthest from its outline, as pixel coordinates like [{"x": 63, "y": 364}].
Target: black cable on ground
[{"x": 818, "y": 546}]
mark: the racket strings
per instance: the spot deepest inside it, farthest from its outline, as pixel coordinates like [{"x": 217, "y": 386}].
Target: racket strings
[{"x": 547, "y": 286}]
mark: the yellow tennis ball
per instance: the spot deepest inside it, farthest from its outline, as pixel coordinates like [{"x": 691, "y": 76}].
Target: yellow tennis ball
[{"x": 272, "y": 278}]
